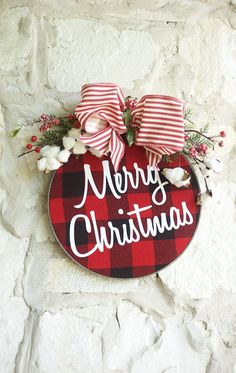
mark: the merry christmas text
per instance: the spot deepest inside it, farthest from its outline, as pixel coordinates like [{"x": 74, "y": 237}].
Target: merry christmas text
[{"x": 136, "y": 226}]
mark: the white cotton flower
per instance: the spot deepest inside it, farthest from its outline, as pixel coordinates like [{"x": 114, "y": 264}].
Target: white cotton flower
[
  {"x": 68, "y": 142},
  {"x": 48, "y": 164},
  {"x": 74, "y": 132},
  {"x": 177, "y": 176},
  {"x": 206, "y": 172},
  {"x": 79, "y": 148},
  {"x": 44, "y": 149},
  {"x": 52, "y": 164},
  {"x": 213, "y": 164},
  {"x": 50, "y": 151},
  {"x": 64, "y": 155},
  {"x": 72, "y": 142},
  {"x": 41, "y": 164},
  {"x": 49, "y": 160}
]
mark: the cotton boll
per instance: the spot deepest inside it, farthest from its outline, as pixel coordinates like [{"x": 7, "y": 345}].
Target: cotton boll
[
  {"x": 74, "y": 132},
  {"x": 44, "y": 149},
  {"x": 213, "y": 163},
  {"x": 41, "y": 164},
  {"x": 51, "y": 151},
  {"x": 52, "y": 164},
  {"x": 64, "y": 155},
  {"x": 177, "y": 176},
  {"x": 68, "y": 142},
  {"x": 205, "y": 171},
  {"x": 183, "y": 183},
  {"x": 79, "y": 148}
]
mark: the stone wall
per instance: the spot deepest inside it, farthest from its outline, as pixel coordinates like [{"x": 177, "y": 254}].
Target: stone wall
[{"x": 55, "y": 316}]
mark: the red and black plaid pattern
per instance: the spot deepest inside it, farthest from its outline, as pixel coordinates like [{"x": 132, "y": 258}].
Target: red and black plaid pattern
[{"x": 131, "y": 260}]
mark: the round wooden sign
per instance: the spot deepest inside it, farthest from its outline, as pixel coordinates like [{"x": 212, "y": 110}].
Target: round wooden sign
[{"x": 128, "y": 224}]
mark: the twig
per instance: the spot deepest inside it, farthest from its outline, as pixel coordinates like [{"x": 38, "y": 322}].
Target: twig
[
  {"x": 200, "y": 133},
  {"x": 30, "y": 151},
  {"x": 40, "y": 121},
  {"x": 209, "y": 192}
]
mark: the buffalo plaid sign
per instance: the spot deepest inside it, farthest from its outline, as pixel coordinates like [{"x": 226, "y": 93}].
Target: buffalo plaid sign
[{"x": 128, "y": 224}]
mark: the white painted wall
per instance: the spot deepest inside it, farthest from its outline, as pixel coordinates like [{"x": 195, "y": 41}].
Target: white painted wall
[{"x": 56, "y": 317}]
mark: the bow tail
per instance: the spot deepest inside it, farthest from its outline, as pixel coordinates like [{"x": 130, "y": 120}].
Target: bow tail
[
  {"x": 154, "y": 155},
  {"x": 117, "y": 149}
]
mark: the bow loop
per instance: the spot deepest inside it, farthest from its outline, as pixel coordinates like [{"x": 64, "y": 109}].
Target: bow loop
[
  {"x": 159, "y": 121},
  {"x": 100, "y": 115}
]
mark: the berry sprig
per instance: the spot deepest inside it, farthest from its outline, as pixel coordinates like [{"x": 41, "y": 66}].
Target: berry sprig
[
  {"x": 198, "y": 143},
  {"x": 51, "y": 131},
  {"x": 197, "y": 148}
]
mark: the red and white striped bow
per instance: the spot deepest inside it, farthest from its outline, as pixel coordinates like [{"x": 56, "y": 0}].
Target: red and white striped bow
[
  {"x": 160, "y": 126},
  {"x": 100, "y": 115}
]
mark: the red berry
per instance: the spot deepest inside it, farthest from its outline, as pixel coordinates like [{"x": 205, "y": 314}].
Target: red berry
[
  {"x": 203, "y": 148},
  {"x": 131, "y": 103},
  {"x": 76, "y": 125},
  {"x": 221, "y": 143},
  {"x": 56, "y": 121},
  {"x": 71, "y": 117},
  {"x": 34, "y": 138},
  {"x": 37, "y": 149},
  {"x": 44, "y": 117},
  {"x": 222, "y": 134},
  {"x": 29, "y": 146},
  {"x": 47, "y": 126},
  {"x": 192, "y": 152}
]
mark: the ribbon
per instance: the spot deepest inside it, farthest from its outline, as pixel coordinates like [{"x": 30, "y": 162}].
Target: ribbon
[
  {"x": 159, "y": 121},
  {"x": 100, "y": 115}
]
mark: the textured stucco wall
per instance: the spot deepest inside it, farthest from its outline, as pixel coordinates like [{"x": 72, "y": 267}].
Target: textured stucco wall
[{"x": 55, "y": 316}]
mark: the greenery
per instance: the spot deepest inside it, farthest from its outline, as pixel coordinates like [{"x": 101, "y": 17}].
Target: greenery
[
  {"x": 55, "y": 134},
  {"x": 170, "y": 158},
  {"x": 14, "y": 132}
]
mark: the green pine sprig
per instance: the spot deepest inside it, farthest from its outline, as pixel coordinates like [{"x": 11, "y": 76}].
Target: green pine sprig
[{"x": 55, "y": 134}]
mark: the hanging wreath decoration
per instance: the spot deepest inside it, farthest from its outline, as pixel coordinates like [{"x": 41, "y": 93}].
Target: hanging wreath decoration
[{"x": 127, "y": 167}]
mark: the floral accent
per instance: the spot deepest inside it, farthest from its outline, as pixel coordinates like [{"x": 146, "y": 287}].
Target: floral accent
[
  {"x": 49, "y": 158},
  {"x": 177, "y": 176},
  {"x": 213, "y": 163},
  {"x": 73, "y": 142}
]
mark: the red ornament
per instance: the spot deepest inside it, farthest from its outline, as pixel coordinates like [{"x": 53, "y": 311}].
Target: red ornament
[
  {"x": 221, "y": 143},
  {"x": 34, "y": 138},
  {"x": 29, "y": 146},
  {"x": 37, "y": 149}
]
